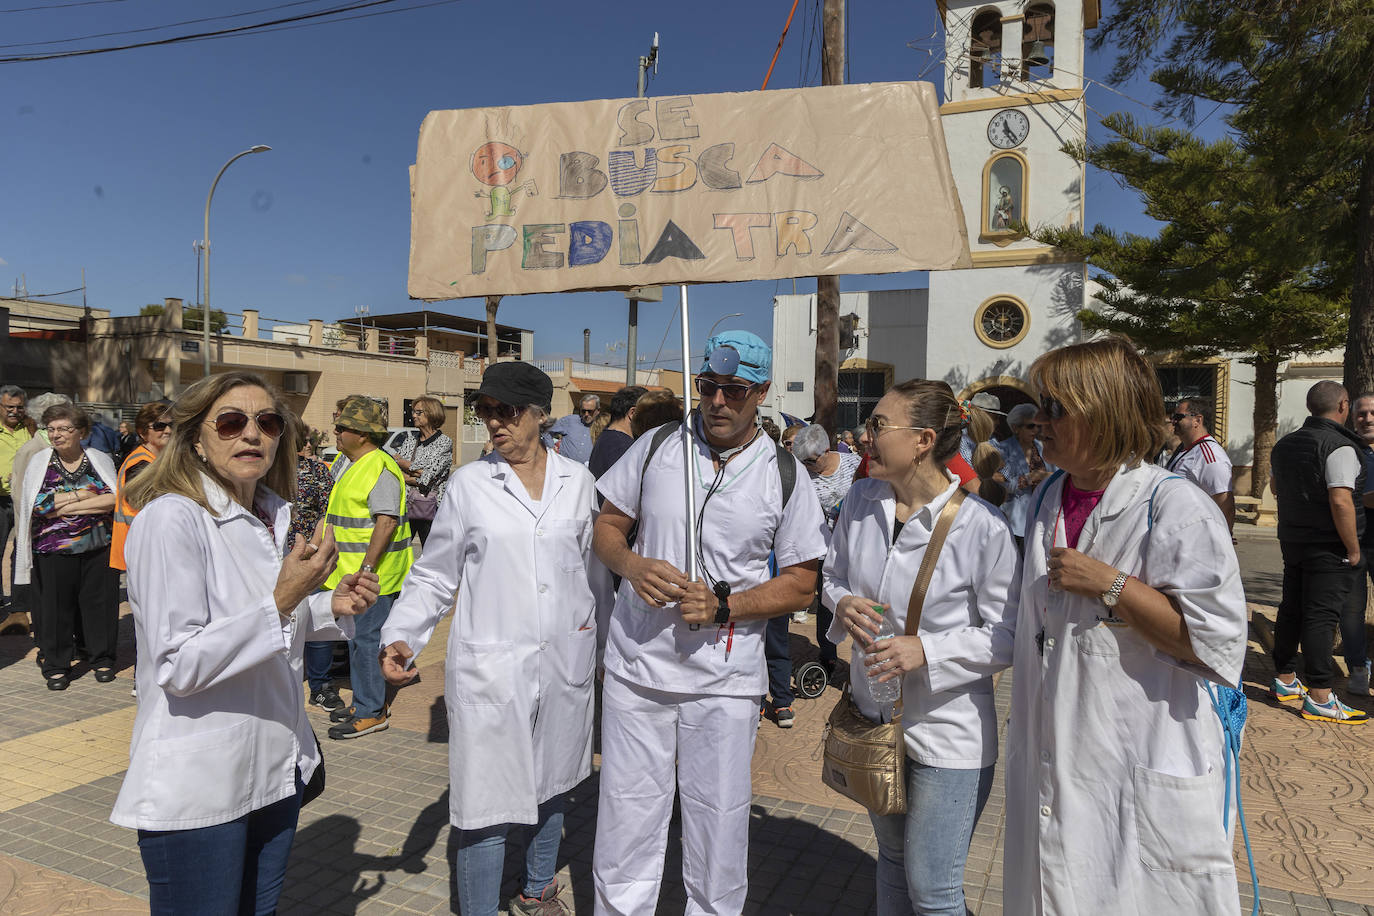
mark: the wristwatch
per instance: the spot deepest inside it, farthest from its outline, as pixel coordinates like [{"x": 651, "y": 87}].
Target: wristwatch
[
  {"x": 368, "y": 567},
  {"x": 722, "y": 592},
  {"x": 1112, "y": 595}
]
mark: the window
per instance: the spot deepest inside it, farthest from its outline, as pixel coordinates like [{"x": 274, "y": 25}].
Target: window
[
  {"x": 1004, "y": 195},
  {"x": 1001, "y": 321},
  {"x": 985, "y": 45},
  {"x": 1204, "y": 380},
  {"x": 1037, "y": 42},
  {"x": 860, "y": 391}
]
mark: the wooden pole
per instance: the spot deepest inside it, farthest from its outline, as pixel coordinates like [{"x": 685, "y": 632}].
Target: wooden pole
[
  {"x": 828, "y": 288},
  {"x": 492, "y": 350}
]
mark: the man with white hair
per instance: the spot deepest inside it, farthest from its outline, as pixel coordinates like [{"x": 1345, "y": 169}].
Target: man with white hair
[{"x": 573, "y": 432}]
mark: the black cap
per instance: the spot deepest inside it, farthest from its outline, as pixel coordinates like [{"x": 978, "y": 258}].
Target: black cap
[{"x": 515, "y": 383}]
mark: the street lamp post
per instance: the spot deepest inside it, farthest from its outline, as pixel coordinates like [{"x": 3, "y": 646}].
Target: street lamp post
[{"x": 205, "y": 248}]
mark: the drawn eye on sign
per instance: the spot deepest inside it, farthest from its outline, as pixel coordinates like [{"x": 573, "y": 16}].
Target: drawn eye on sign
[{"x": 496, "y": 164}]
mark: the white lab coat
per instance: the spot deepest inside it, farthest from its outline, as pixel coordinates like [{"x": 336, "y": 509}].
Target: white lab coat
[
  {"x": 967, "y": 624},
  {"x": 522, "y": 648},
  {"x": 221, "y": 724},
  {"x": 34, "y": 473},
  {"x": 1115, "y": 764}
]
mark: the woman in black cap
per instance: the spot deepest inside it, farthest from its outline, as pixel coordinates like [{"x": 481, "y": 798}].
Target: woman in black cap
[{"x": 513, "y": 543}]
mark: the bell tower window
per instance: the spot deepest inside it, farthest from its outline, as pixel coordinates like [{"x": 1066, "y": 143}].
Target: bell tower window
[
  {"x": 985, "y": 47},
  {"x": 1037, "y": 42}
]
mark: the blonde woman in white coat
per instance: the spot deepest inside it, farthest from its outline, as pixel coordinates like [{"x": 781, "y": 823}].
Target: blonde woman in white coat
[
  {"x": 1130, "y": 603},
  {"x": 965, "y": 636},
  {"x": 512, "y": 541}
]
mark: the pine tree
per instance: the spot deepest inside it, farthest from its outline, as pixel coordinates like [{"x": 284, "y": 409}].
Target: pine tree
[{"x": 1234, "y": 269}]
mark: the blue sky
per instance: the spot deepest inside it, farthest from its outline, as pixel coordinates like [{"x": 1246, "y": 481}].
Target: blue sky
[{"x": 109, "y": 157}]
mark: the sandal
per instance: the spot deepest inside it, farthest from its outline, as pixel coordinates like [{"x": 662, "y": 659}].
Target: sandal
[
  {"x": 104, "y": 675},
  {"x": 57, "y": 682}
]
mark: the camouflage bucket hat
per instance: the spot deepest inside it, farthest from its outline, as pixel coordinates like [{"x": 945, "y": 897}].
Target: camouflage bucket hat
[{"x": 362, "y": 415}]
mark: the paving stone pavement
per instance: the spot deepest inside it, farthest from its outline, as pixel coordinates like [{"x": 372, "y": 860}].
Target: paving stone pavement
[{"x": 378, "y": 840}]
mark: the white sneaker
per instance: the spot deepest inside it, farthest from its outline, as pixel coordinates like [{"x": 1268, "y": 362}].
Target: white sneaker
[
  {"x": 799, "y": 617},
  {"x": 1359, "y": 681}
]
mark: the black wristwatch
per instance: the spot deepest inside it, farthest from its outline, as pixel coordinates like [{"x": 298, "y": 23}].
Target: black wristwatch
[{"x": 722, "y": 590}]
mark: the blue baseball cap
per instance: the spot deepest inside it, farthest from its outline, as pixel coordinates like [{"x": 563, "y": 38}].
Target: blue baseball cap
[{"x": 739, "y": 353}]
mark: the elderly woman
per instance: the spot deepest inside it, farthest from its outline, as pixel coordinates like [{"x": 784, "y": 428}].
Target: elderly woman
[
  {"x": 221, "y": 746},
  {"x": 426, "y": 460},
  {"x": 513, "y": 544},
  {"x": 832, "y": 473},
  {"x": 965, "y": 635},
  {"x": 154, "y": 427},
  {"x": 62, "y": 542},
  {"x": 1025, "y": 465},
  {"x": 1131, "y": 604}
]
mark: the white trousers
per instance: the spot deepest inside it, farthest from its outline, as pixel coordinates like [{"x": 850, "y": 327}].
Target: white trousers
[{"x": 710, "y": 739}]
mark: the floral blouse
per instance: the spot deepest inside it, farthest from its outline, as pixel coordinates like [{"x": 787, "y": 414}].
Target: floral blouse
[
  {"x": 314, "y": 482},
  {"x": 431, "y": 459},
  {"x": 69, "y": 534}
]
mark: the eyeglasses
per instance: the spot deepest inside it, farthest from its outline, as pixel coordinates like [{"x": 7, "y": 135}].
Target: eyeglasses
[
  {"x": 590, "y": 409},
  {"x": 876, "y": 426},
  {"x": 161, "y": 425},
  {"x": 61, "y": 430},
  {"x": 1030, "y": 425},
  {"x": 1053, "y": 407},
  {"x": 733, "y": 393},
  {"x": 1181, "y": 416},
  {"x": 498, "y": 411},
  {"x": 232, "y": 423}
]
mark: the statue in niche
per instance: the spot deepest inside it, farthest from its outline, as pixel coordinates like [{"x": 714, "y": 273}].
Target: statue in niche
[{"x": 1003, "y": 211}]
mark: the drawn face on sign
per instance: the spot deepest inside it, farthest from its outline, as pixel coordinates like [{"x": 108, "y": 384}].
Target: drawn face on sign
[{"x": 495, "y": 163}]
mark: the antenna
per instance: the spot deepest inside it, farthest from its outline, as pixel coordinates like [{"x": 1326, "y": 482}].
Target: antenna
[{"x": 653, "y": 54}]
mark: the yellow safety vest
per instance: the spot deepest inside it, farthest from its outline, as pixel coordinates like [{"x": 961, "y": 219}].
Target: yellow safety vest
[{"x": 351, "y": 520}]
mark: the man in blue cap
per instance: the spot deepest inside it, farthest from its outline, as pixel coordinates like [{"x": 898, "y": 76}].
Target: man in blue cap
[{"x": 684, "y": 659}]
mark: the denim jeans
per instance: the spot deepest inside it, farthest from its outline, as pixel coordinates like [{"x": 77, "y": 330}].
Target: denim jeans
[
  {"x": 365, "y": 671},
  {"x": 481, "y": 859},
  {"x": 778, "y": 651},
  {"x": 921, "y": 854},
  {"x": 233, "y": 869},
  {"x": 319, "y": 658}
]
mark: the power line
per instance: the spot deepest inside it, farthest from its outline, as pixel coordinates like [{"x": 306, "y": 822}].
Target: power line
[
  {"x": 57, "y": 6},
  {"x": 155, "y": 28}
]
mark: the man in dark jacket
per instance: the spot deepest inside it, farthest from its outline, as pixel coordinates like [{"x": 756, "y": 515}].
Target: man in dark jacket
[{"x": 1318, "y": 478}]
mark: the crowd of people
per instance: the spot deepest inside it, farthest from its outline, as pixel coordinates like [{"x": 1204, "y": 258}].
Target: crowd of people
[{"x": 1076, "y": 551}]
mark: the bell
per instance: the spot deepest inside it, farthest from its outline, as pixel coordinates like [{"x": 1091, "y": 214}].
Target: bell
[
  {"x": 981, "y": 54},
  {"x": 1036, "y": 57}
]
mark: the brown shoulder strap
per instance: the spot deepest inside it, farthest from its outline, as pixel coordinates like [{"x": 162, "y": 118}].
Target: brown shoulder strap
[{"x": 937, "y": 541}]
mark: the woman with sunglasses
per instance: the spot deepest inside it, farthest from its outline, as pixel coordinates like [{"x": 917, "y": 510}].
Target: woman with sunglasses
[
  {"x": 221, "y": 746},
  {"x": 154, "y": 427},
  {"x": 512, "y": 542},
  {"x": 1130, "y": 604},
  {"x": 1026, "y": 466},
  {"x": 964, "y": 636},
  {"x": 62, "y": 541}
]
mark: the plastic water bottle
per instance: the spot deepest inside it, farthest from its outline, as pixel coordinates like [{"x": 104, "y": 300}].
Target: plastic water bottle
[{"x": 884, "y": 692}]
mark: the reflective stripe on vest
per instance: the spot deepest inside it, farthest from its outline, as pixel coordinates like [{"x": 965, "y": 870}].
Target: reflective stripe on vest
[
  {"x": 124, "y": 513},
  {"x": 351, "y": 520}
]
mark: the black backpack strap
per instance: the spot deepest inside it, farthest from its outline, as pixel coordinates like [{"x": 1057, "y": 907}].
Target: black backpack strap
[{"x": 787, "y": 470}]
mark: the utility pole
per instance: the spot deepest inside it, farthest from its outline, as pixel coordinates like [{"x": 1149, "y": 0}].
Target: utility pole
[
  {"x": 828, "y": 288},
  {"x": 492, "y": 350},
  {"x": 632, "y": 332}
]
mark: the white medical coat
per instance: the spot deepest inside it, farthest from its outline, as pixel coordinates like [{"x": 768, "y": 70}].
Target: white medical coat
[
  {"x": 1115, "y": 764},
  {"x": 967, "y": 624},
  {"x": 522, "y": 648},
  {"x": 221, "y": 724}
]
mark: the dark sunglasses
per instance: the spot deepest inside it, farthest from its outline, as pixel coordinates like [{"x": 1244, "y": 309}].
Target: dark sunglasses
[
  {"x": 733, "y": 393},
  {"x": 498, "y": 411},
  {"x": 161, "y": 425},
  {"x": 232, "y": 423},
  {"x": 1053, "y": 408},
  {"x": 1182, "y": 416}
]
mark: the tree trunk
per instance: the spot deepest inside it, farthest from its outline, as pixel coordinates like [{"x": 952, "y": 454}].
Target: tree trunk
[
  {"x": 1359, "y": 342},
  {"x": 828, "y": 288},
  {"x": 492, "y": 350},
  {"x": 1265, "y": 422}
]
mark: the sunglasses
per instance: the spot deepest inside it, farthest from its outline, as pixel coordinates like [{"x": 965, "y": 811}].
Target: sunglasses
[
  {"x": 733, "y": 393},
  {"x": 1053, "y": 407},
  {"x": 498, "y": 411},
  {"x": 1181, "y": 416},
  {"x": 161, "y": 425},
  {"x": 232, "y": 423},
  {"x": 590, "y": 409}
]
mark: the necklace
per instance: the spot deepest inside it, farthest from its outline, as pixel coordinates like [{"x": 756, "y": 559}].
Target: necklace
[{"x": 72, "y": 478}]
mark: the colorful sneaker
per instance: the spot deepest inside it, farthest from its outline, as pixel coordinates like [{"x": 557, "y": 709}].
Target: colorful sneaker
[
  {"x": 546, "y": 904},
  {"x": 1333, "y": 711},
  {"x": 1287, "y": 692},
  {"x": 356, "y": 728},
  {"x": 1359, "y": 681},
  {"x": 784, "y": 715}
]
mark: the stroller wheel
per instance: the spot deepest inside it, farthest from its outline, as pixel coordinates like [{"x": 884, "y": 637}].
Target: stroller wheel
[{"x": 812, "y": 680}]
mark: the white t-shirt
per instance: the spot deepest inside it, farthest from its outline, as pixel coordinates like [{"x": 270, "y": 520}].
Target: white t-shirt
[
  {"x": 1342, "y": 467},
  {"x": 742, "y": 522},
  {"x": 1206, "y": 464}
]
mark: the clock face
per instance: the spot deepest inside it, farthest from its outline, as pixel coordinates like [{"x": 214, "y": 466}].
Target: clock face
[{"x": 1008, "y": 128}]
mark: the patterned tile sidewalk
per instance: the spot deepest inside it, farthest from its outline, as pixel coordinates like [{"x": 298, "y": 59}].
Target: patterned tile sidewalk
[{"x": 378, "y": 841}]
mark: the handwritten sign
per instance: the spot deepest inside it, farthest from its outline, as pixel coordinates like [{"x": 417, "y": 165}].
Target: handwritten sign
[{"x": 689, "y": 189}]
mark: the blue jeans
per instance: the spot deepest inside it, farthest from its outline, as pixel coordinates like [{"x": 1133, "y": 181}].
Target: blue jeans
[
  {"x": 921, "y": 854},
  {"x": 233, "y": 869},
  {"x": 481, "y": 860},
  {"x": 319, "y": 658},
  {"x": 1352, "y": 620},
  {"x": 365, "y": 671},
  {"x": 777, "y": 648}
]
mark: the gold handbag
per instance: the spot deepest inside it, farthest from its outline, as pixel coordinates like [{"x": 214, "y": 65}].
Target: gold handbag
[{"x": 865, "y": 761}]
